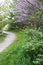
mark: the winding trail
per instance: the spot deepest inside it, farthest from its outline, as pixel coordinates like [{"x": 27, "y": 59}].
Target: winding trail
[{"x": 8, "y": 40}]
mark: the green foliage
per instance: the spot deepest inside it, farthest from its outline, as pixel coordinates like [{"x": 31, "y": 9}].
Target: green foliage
[
  {"x": 26, "y": 50},
  {"x": 41, "y": 0},
  {"x": 37, "y": 18},
  {"x": 1, "y": 21},
  {"x": 34, "y": 47},
  {"x": 2, "y": 37},
  {"x": 5, "y": 14}
]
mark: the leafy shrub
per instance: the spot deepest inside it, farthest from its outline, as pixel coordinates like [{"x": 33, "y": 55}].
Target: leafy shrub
[{"x": 34, "y": 47}]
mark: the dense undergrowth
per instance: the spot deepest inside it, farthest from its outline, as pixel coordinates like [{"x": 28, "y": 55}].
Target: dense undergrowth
[{"x": 26, "y": 50}]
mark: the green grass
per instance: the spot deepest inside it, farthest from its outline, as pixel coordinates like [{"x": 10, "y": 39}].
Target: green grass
[
  {"x": 25, "y": 50},
  {"x": 2, "y": 37},
  {"x": 6, "y": 55}
]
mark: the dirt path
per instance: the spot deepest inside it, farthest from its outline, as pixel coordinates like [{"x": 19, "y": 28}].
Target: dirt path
[{"x": 8, "y": 40}]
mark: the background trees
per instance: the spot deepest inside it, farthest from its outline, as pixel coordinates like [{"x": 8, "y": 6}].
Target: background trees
[
  {"x": 28, "y": 12},
  {"x": 6, "y": 8}
]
